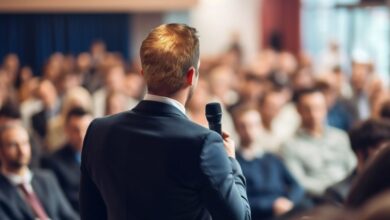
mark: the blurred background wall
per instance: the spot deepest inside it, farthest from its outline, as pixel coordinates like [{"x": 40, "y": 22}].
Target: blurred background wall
[{"x": 42, "y": 27}]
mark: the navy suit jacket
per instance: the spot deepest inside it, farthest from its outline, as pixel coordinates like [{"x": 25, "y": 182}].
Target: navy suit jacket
[
  {"x": 154, "y": 163},
  {"x": 66, "y": 168}
]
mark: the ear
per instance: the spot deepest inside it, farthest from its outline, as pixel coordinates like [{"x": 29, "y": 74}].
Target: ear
[
  {"x": 142, "y": 72},
  {"x": 191, "y": 76}
]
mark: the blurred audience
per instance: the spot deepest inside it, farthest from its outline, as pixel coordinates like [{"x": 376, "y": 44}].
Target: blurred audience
[
  {"x": 27, "y": 194},
  {"x": 10, "y": 114},
  {"x": 373, "y": 181},
  {"x": 272, "y": 190},
  {"x": 114, "y": 81},
  {"x": 281, "y": 105},
  {"x": 271, "y": 135},
  {"x": 196, "y": 106},
  {"x": 75, "y": 97},
  {"x": 65, "y": 163},
  {"x": 51, "y": 105},
  {"x": 115, "y": 102},
  {"x": 318, "y": 155},
  {"x": 367, "y": 138},
  {"x": 339, "y": 110},
  {"x": 361, "y": 77},
  {"x": 221, "y": 83}
]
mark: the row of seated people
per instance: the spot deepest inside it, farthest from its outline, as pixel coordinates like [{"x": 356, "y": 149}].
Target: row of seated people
[
  {"x": 317, "y": 165},
  {"x": 277, "y": 184},
  {"x": 50, "y": 191},
  {"x": 294, "y": 172}
]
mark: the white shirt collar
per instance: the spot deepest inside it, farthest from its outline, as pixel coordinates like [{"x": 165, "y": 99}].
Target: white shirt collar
[
  {"x": 17, "y": 180},
  {"x": 166, "y": 100}
]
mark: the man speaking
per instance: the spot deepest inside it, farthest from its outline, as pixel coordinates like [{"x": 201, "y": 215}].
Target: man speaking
[{"x": 154, "y": 163}]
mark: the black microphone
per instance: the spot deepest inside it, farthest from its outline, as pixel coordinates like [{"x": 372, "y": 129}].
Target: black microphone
[{"x": 214, "y": 116}]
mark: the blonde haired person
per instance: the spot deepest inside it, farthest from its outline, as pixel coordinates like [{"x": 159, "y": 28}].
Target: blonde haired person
[{"x": 75, "y": 97}]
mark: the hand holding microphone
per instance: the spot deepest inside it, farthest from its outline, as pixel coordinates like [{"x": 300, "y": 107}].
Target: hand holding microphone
[{"x": 214, "y": 116}]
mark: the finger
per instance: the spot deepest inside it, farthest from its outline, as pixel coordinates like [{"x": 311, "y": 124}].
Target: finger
[{"x": 225, "y": 134}]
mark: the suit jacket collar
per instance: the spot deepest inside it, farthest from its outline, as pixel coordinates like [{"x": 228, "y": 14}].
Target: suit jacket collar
[
  {"x": 11, "y": 193},
  {"x": 158, "y": 109}
]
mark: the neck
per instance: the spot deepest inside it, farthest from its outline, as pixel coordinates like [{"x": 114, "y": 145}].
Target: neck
[
  {"x": 316, "y": 131},
  {"x": 16, "y": 171},
  {"x": 180, "y": 96},
  {"x": 246, "y": 145},
  {"x": 197, "y": 111}
]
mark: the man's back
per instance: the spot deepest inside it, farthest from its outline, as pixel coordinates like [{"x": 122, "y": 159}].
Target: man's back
[{"x": 153, "y": 163}]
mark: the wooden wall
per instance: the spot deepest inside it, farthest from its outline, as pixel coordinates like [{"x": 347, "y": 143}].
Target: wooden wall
[{"x": 54, "y": 6}]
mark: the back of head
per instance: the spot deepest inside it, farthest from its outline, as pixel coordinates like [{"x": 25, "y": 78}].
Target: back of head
[
  {"x": 298, "y": 94},
  {"x": 368, "y": 135},
  {"x": 9, "y": 112},
  {"x": 167, "y": 53}
]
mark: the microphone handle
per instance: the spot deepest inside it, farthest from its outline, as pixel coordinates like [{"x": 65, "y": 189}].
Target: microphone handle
[{"x": 216, "y": 127}]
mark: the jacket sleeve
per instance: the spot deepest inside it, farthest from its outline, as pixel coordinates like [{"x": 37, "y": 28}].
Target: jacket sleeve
[
  {"x": 294, "y": 191},
  {"x": 224, "y": 189},
  {"x": 63, "y": 207},
  {"x": 92, "y": 206}
]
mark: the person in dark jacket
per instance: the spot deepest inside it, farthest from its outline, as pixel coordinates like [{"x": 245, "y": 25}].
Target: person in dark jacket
[
  {"x": 24, "y": 193},
  {"x": 65, "y": 163},
  {"x": 272, "y": 190},
  {"x": 153, "y": 162}
]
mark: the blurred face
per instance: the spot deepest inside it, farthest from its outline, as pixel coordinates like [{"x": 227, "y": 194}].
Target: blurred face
[
  {"x": 287, "y": 63},
  {"x": 134, "y": 85},
  {"x": 47, "y": 93},
  {"x": 248, "y": 126},
  {"x": 98, "y": 48},
  {"x": 303, "y": 79},
  {"x": 360, "y": 75},
  {"x": 272, "y": 105},
  {"x": 53, "y": 68},
  {"x": 312, "y": 109},
  {"x": 252, "y": 87},
  {"x": 72, "y": 80},
  {"x": 11, "y": 63},
  {"x": 26, "y": 73},
  {"x": 221, "y": 81},
  {"x": 115, "y": 79},
  {"x": 84, "y": 61},
  {"x": 76, "y": 128},
  {"x": 15, "y": 150},
  {"x": 117, "y": 103}
]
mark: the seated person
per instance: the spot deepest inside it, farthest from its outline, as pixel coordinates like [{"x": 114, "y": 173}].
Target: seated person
[
  {"x": 318, "y": 155},
  {"x": 10, "y": 114},
  {"x": 65, "y": 163},
  {"x": 27, "y": 194},
  {"x": 272, "y": 190},
  {"x": 366, "y": 139}
]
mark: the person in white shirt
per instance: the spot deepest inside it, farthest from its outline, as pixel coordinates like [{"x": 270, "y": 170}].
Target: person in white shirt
[{"x": 27, "y": 194}]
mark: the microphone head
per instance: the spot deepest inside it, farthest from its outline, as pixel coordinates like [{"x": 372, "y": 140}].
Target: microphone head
[{"x": 213, "y": 112}]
